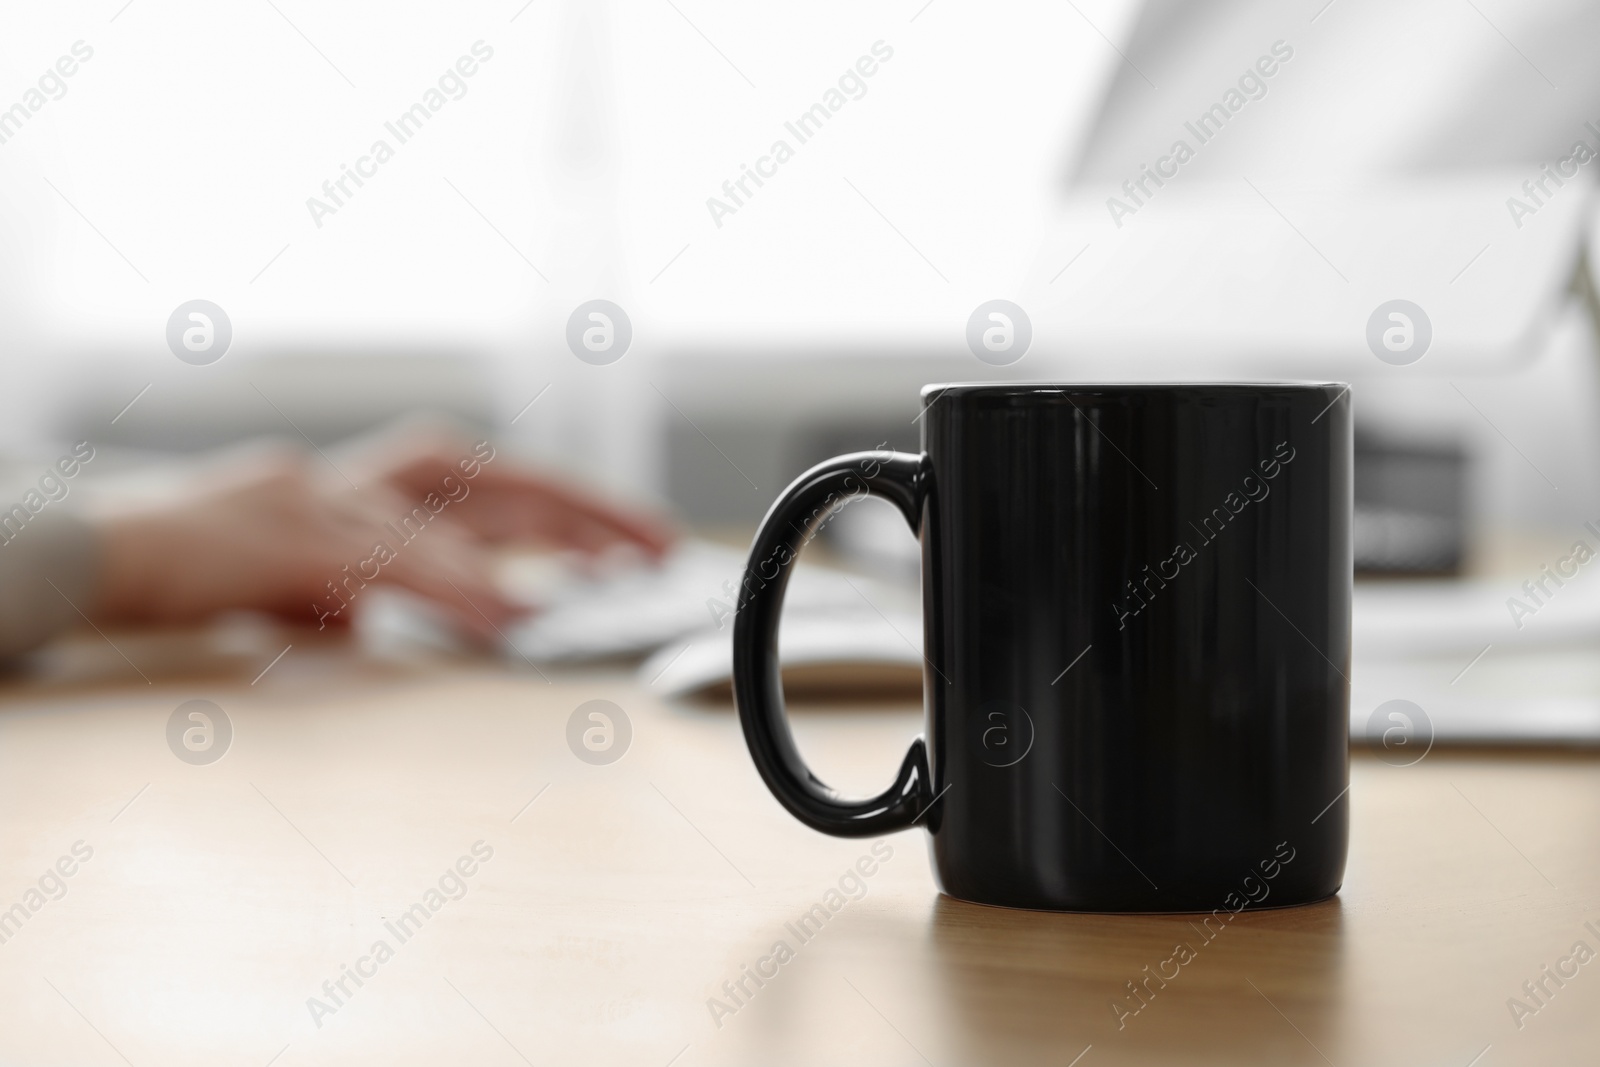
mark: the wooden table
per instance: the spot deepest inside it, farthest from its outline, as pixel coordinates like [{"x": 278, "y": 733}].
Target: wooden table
[{"x": 620, "y": 898}]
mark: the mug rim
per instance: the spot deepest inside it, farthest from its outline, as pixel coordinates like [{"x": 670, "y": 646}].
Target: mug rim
[{"x": 1039, "y": 388}]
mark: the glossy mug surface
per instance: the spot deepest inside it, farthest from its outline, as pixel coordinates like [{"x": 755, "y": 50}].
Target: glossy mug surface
[{"x": 1136, "y": 605}]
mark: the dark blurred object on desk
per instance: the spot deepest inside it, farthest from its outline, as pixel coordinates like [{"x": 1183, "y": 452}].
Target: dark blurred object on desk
[{"x": 1410, "y": 507}]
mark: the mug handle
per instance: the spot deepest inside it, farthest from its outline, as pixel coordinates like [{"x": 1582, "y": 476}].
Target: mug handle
[{"x": 903, "y": 480}]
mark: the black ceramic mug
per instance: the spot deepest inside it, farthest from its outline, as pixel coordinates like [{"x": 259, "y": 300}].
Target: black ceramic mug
[{"x": 1136, "y": 633}]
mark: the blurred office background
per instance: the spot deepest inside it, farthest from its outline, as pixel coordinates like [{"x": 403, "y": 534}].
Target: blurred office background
[{"x": 975, "y": 163}]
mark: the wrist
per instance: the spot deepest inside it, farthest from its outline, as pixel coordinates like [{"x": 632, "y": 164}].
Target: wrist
[{"x": 131, "y": 575}]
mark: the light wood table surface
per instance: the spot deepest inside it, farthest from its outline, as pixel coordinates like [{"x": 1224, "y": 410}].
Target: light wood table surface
[{"x": 619, "y": 898}]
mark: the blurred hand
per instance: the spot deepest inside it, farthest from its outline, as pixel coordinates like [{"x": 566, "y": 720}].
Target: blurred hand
[
  {"x": 286, "y": 534},
  {"x": 505, "y": 502}
]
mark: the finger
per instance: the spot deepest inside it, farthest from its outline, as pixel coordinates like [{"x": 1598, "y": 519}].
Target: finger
[
  {"x": 409, "y": 550},
  {"x": 456, "y": 576},
  {"x": 419, "y": 466},
  {"x": 577, "y": 517}
]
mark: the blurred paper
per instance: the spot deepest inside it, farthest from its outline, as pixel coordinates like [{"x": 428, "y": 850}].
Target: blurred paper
[{"x": 1396, "y": 620}]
